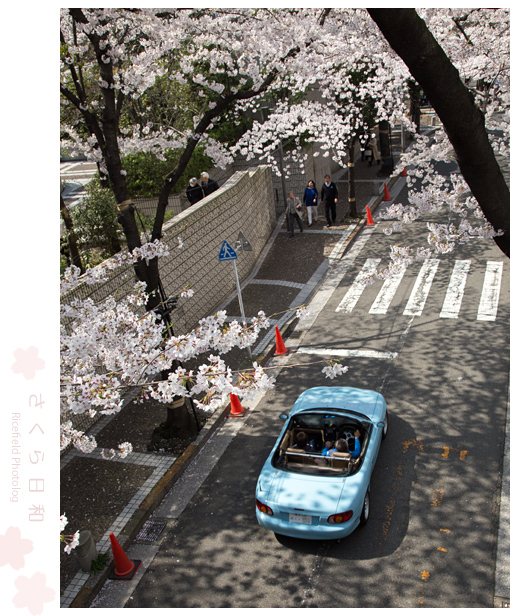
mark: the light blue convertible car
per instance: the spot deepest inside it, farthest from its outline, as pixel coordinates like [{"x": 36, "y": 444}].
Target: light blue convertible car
[{"x": 305, "y": 492}]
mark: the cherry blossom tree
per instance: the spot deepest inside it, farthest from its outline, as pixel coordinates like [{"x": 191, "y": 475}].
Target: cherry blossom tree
[
  {"x": 462, "y": 118},
  {"x": 112, "y": 55},
  {"x": 111, "y": 347},
  {"x": 237, "y": 58}
]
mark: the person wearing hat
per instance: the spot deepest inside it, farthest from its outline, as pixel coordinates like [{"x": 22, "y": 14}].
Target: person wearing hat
[
  {"x": 208, "y": 185},
  {"x": 194, "y": 191}
]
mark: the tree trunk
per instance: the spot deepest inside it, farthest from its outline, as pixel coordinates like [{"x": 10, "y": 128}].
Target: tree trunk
[
  {"x": 72, "y": 238},
  {"x": 351, "y": 178},
  {"x": 384, "y": 133},
  {"x": 463, "y": 122},
  {"x": 414, "y": 92},
  {"x": 180, "y": 420}
]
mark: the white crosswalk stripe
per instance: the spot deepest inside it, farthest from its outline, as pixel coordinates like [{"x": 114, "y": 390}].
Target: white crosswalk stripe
[
  {"x": 421, "y": 288},
  {"x": 451, "y": 307},
  {"x": 386, "y": 295},
  {"x": 353, "y": 295},
  {"x": 490, "y": 291},
  {"x": 453, "y": 299}
]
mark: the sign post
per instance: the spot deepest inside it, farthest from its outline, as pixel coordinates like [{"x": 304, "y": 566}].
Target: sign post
[{"x": 227, "y": 253}]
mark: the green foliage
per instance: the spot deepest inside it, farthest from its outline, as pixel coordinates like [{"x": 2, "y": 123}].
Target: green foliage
[
  {"x": 95, "y": 221},
  {"x": 100, "y": 562},
  {"x": 227, "y": 129},
  {"x": 146, "y": 173},
  {"x": 165, "y": 103}
]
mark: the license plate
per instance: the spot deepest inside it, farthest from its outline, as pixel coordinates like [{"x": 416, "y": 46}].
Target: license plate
[{"x": 297, "y": 518}]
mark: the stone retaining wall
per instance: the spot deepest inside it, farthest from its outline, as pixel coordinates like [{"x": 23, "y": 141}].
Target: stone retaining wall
[{"x": 244, "y": 204}]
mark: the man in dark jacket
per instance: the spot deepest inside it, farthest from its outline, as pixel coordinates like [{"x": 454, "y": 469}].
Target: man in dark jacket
[
  {"x": 194, "y": 191},
  {"x": 329, "y": 197},
  {"x": 208, "y": 185}
]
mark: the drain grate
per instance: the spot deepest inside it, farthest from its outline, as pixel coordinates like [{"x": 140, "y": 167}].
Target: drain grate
[{"x": 150, "y": 532}]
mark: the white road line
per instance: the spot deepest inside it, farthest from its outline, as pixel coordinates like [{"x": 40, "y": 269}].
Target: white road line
[
  {"x": 421, "y": 288},
  {"x": 386, "y": 295},
  {"x": 488, "y": 306},
  {"x": 353, "y": 294},
  {"x": 347, "y": 353},
  {"x": 338, "y": 249},
  {"x": 455, "y": 292}
]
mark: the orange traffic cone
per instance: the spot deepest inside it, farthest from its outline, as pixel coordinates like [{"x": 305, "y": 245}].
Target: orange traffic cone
[
  {"x": 404, "y": 173},
  {"x": 280, "y": 349},
  {"x": 387, "y": 197},
  {"x": 124, "y": 567},
  {"x": 370, "y": 219},
  {"x": 236, "y": 408}
]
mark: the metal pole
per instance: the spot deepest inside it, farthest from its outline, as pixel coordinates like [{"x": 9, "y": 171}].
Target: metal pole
[{"x": 240, "y": 301}]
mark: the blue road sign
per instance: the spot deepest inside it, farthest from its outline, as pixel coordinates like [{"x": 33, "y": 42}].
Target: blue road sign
[{"x": 227, "y": 253}]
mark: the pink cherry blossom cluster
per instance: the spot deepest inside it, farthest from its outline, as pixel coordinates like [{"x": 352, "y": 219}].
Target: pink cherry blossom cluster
[
  {"x": 70, "y": 541},
  {"x": 111, "y": 346},
  {"x": 72, "y": 275}
]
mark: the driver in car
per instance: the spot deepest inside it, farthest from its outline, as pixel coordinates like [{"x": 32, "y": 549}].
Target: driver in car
[
  {"x": 342, "y": 446},
  {"x": 355, "y": 453}
]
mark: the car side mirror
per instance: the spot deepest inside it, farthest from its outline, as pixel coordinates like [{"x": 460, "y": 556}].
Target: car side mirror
[
  {"x": 381, "y": 424},
  {"x": 283, "y": 416}
]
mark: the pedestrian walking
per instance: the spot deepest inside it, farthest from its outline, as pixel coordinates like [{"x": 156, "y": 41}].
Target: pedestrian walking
[
  {"x": 372, "y": 149},
  {"x": 311, "y": 201},
  {"x": 194, "y": 191},
  {"x": 364, "y": 139},
  {"x": 329, "y": 197},
  {"x": 294, "y": 209},
  {"x": 208, "y": 185}
]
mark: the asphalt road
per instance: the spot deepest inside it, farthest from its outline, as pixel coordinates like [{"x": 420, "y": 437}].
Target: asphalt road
[{"x": 431, "y": 538}]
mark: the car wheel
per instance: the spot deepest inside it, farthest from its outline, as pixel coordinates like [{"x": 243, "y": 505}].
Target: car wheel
[
  {"x": 385, "y": 427},
  {"x": 364, "y": 516}
]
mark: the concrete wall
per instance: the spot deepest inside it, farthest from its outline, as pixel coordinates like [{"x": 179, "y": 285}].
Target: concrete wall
[{"x": 244, "y": 204}]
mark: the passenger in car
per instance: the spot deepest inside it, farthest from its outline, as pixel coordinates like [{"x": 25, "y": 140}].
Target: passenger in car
[
  {"x": 327, "y": 448},
  {"x": 303, "y": 443}
]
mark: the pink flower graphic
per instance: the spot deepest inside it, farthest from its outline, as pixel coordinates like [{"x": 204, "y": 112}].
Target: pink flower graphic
[
  {"x": 13, "y": 548},
  {"x": 32, "y": 593},
  {"x": 27, "y": 362}
]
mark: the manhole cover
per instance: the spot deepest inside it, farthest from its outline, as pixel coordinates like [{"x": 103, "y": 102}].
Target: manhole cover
[{"x": 150, "y": 532}]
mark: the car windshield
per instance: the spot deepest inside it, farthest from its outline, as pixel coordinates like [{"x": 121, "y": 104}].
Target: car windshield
[{"x": 309, "y": 443}]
